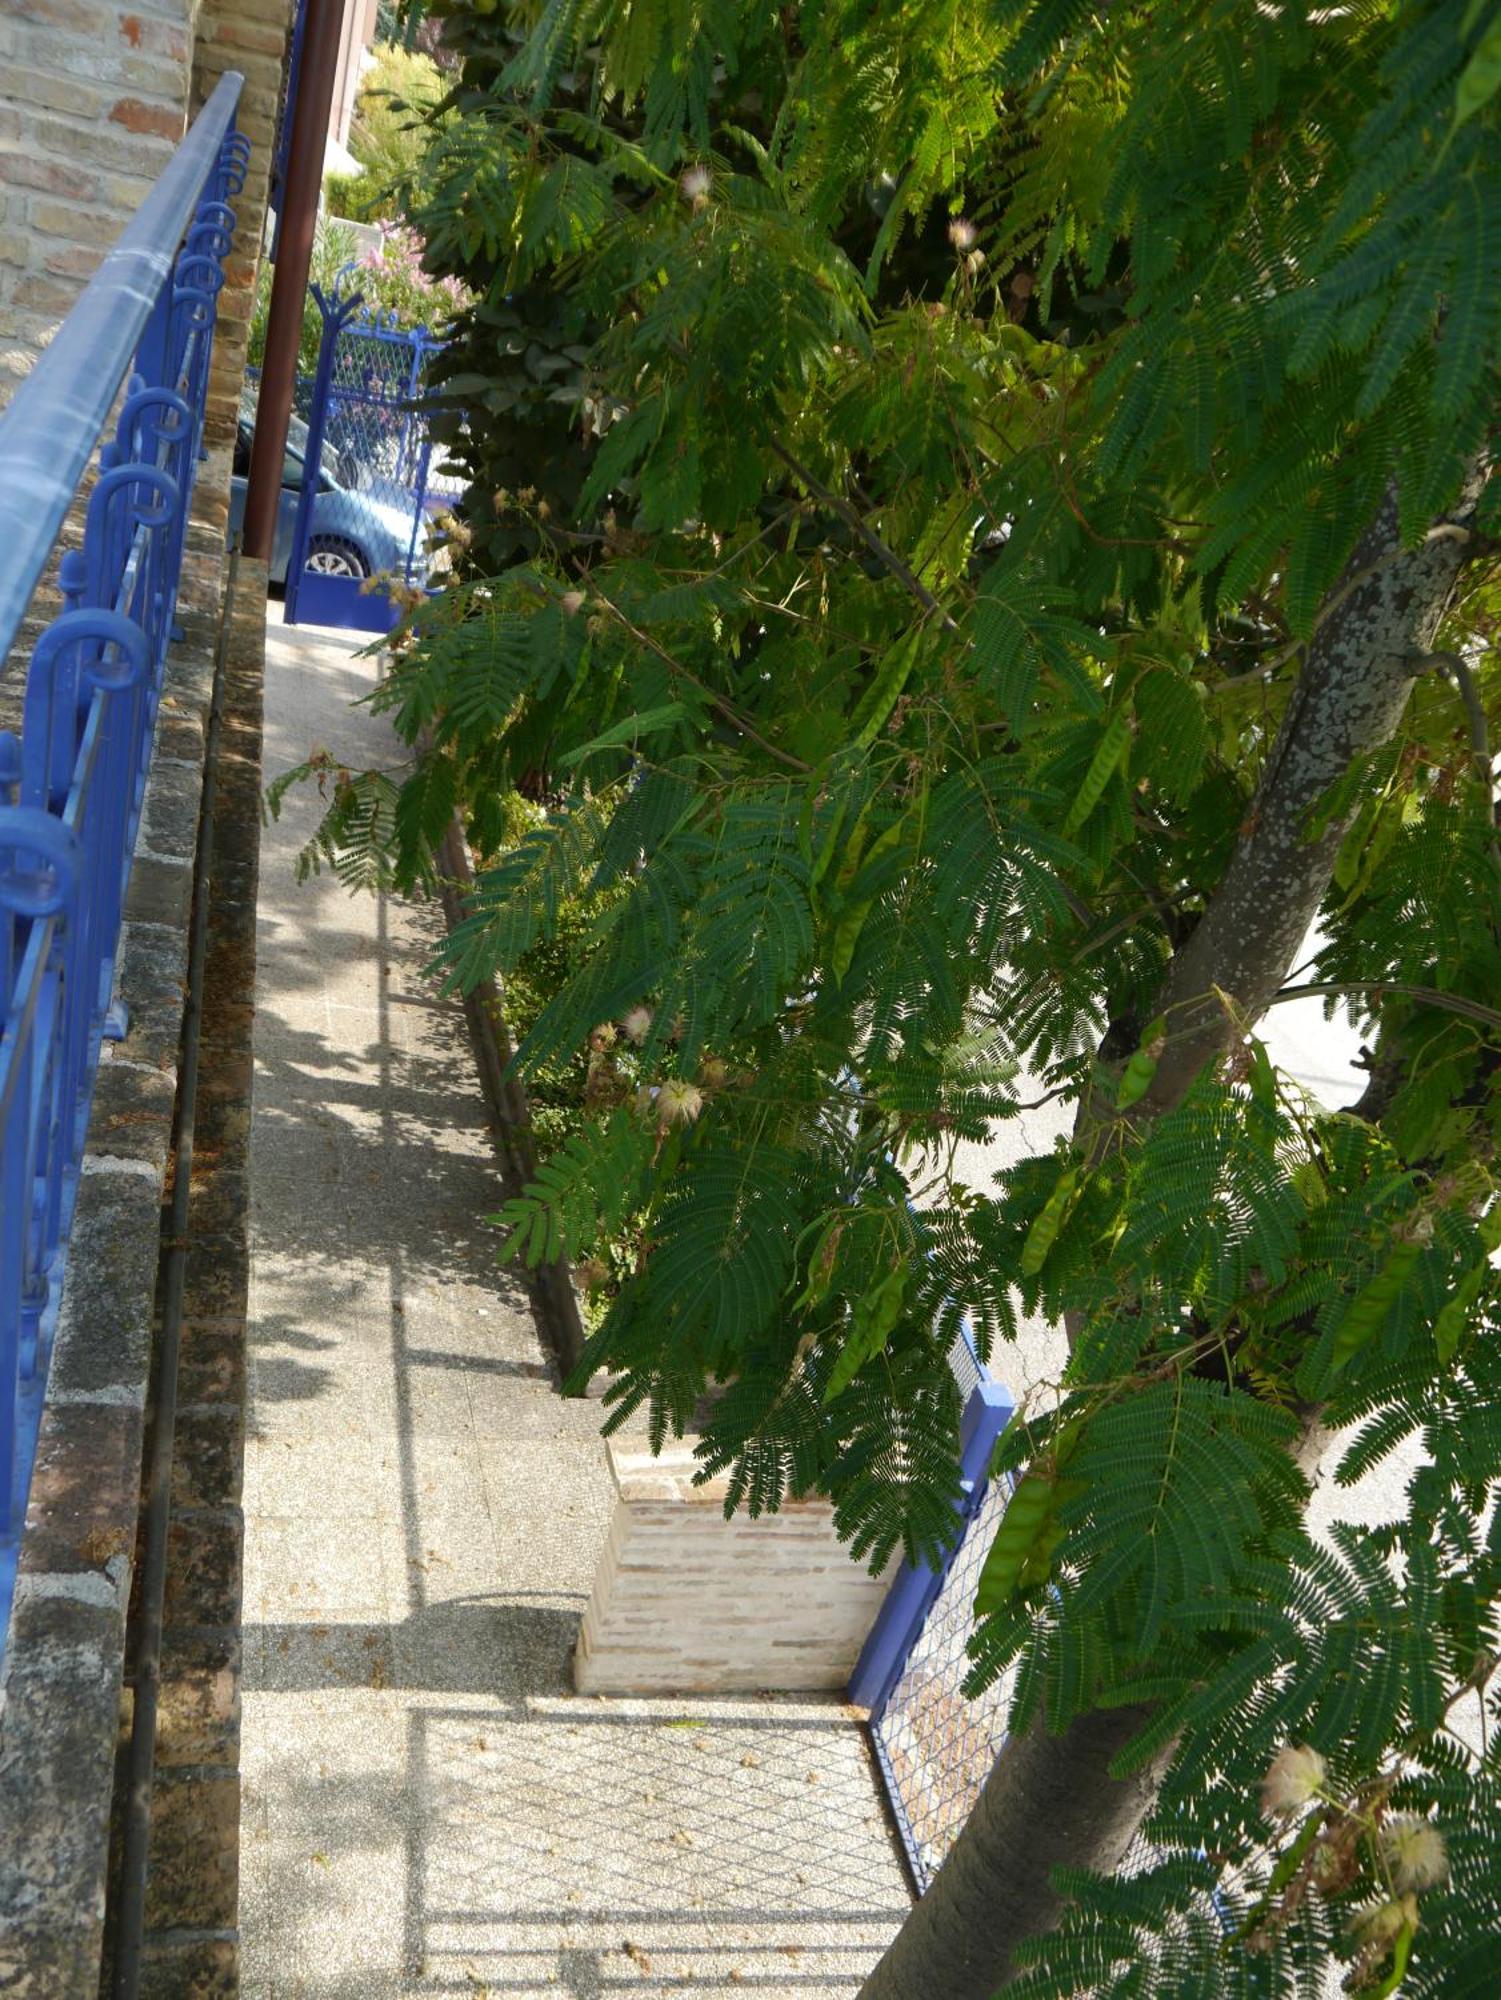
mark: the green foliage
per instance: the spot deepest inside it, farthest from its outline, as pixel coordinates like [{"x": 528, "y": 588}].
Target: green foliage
[
  {"x": 914, "y": 449},
  {"x": 345, "y": 196},
  {"x": 399, "y": 93}
]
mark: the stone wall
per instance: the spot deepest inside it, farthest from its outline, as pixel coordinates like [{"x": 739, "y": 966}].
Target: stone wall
[
  {"x": 250, "y": 36},
  {"x": 64, "y": 1653},
  {"x": 93, "y": 98},
  {"x": 686, "y": 1602}
]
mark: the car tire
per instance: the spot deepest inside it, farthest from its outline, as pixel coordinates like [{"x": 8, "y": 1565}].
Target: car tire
[{"x": 331, "y": 555}]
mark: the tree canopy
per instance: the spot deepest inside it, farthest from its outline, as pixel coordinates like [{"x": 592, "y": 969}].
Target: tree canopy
[{"x": 982, "y": 533}]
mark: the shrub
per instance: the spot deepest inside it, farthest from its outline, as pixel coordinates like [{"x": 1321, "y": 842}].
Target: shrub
[{"x": 389, "y": 132}]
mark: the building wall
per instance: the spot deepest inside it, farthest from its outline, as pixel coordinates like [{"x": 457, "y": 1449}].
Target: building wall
[
  {"x": 93, "y": 96},
  {"x": 357, "y": 35},
  {"x": 686, "y": 1602},
  {"x": 250, "y": 36}
]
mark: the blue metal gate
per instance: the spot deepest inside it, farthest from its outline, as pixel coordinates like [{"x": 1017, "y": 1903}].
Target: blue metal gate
[
  {"x": 935, "y": 1747},
  {"x": 370, "y": 480}
]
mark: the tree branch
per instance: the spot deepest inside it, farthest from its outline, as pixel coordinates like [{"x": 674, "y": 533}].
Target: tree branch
[
  {"x": 1458, "y": 670},
  {"x": 1356, "y": 677},
  {"x": 853, "y": 519},
  {"x": 1427, "y": 996},
  {"x": 674, "y": 665}
]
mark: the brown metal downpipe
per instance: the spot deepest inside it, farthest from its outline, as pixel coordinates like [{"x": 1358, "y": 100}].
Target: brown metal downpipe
[{"x": 294, "y": 256}]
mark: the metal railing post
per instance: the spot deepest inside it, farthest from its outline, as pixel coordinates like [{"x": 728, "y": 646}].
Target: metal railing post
[{"x": 337, "y": 313}]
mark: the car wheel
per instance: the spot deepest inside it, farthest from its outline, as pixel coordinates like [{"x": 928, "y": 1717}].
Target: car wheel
[{"x": 331, "y": 555}]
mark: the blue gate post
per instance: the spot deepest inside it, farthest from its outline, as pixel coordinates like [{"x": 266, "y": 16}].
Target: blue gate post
[
  {"x": 337, "y": 312},
  {"x": 908, "y": 1602},
  {"x": 415, "y": 373},
  {"x": 419, "y": 505}
]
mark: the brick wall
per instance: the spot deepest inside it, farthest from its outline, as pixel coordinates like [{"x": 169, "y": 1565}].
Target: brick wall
[
  {"x": 686, "y": 1602},
  {"x": 250, "y": 36},
  {"x": 93, "y": 97}
]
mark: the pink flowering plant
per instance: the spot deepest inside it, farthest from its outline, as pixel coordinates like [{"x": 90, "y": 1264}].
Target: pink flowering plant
[{"x": 391, "y": 276}]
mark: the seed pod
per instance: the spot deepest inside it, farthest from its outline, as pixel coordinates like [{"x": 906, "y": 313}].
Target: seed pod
[
  {"x": 1136, "y": 1078},
  {"x": 1112, "y": 748},
  {"x": 1023, "y": 1525},
  {"x": 1046, "y": 1224},
  {"x": 1448, "y": 1328},
  {"x": 1370, "y": 1306}
]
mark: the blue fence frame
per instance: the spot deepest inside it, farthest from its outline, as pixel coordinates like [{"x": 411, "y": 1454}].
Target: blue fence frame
[
  {"x": 73, "y": 780},
  {"x": 316, "y": 598},
  {"x": 917, "y": 1589}
]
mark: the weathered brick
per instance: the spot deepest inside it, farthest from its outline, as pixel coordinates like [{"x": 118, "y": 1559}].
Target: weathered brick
[
  {"x": 28, "y": 170},
  {"x": 258, "y": 67},
  {"x": 95, "y": 226},
  {"x": 137, "y": 116},
  {"x": 34, "y": 85},
  {"x": 203, "y": 1567},
  {"x": 155, "y": 27},
  {"x": 102, "y": 144},
  {"x": 85, "y": 17},
  {"x": 70, "y": 260},
  {"x": 45, "y": 295},
  {"x": 249, "y": 10},
  {"x": 180, "y": 1966},
  {"x": 193, "y": 1876},
  {"x": 267, "y": 38},
  {"x": 125, "y": 191},
  {"x": 83, "y": 1489}
]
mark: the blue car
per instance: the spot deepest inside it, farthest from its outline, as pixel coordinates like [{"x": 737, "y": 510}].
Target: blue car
[{"x": 356, "y": 531}]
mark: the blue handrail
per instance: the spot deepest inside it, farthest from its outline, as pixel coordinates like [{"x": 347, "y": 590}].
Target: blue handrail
[{"x": 72, "y": 782}]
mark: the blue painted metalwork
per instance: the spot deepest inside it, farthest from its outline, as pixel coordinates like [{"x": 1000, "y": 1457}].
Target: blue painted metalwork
[
  {"x": 364, "y": 417},
  {"x": 337, "y": 311},
  {"x": 283, "y": 147},
  {"x": 933, "y": 1747},
  {"x": 72, "y": 781}
]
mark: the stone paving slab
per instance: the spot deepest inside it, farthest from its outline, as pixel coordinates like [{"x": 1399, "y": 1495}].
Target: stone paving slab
[{"x": 427, "y": 1808}]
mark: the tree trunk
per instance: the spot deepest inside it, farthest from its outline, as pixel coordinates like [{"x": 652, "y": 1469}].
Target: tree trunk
[
  {"x": 1050, "y": 1801},
  {"x": 1357, "y": 673},
  {"x": 1047, "y": 1802}
]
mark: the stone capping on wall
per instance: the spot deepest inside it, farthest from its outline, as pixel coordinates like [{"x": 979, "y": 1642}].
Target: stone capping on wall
[{"x": 685, "y": 1601}]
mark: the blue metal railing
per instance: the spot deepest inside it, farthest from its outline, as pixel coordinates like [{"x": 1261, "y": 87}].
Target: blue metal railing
[
  {"x": 72, "y": 781},
  {"x": 934, "y": 1748}
]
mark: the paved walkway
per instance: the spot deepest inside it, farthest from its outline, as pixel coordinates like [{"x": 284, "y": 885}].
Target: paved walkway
[{"x": 427, "y": 1807}]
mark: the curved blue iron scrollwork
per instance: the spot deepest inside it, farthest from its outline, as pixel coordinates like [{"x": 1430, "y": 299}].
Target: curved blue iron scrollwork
[{"x": 73, "y": 780}]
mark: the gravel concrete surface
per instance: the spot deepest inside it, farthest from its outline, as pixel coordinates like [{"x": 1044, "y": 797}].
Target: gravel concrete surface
[{"x": 427, "y": 1806}]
